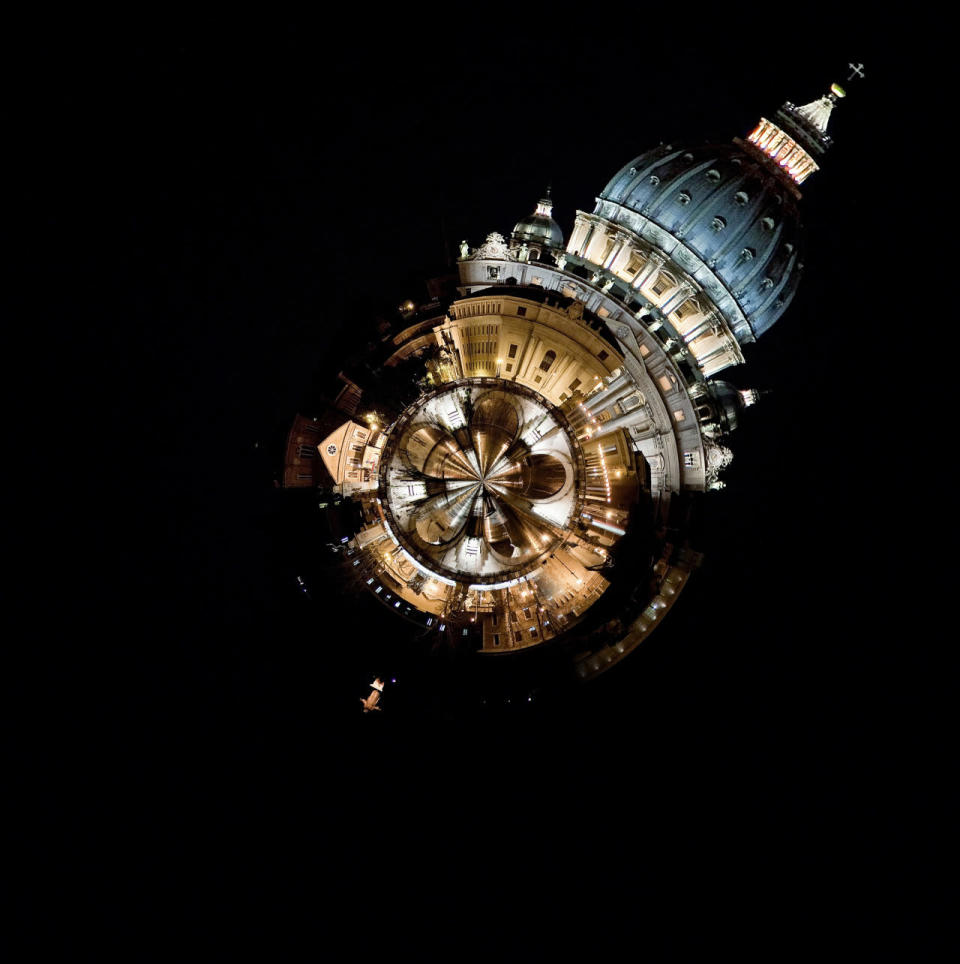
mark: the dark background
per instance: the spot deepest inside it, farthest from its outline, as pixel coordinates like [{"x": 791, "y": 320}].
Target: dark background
[{"x": 222, "y": 210}]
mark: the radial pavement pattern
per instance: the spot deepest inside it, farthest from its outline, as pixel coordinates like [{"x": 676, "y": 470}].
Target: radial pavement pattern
[{"x": 480, "y": 481}]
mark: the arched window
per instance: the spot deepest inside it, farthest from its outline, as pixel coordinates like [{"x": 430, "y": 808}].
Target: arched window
[{"x": 548, "y": 360}]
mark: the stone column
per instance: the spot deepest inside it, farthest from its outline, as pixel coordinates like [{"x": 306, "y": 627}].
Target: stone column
[
  {"x": 683, "y": 292},
  {"x": 581, "y": 232},
  {"x": 622, "y": 256},
  {"x": 534, "y": 344},
  {"x": 705, "y": 322},
  {"x": 652, "y": 268},
  {"x": 610, "y": 399},
  {"x": 598, "y": 237},
  {"x": 518, "y": 361},
  {"x": 620, "y": 384},
  {"x": 722, "y": 349},
  {"x": 618, "y": 242},
  {"x": 560, "y": 367},
  {"x": 637, "y": 417}
]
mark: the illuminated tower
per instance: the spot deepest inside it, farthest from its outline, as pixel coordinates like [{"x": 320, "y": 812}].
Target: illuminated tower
[{"x": 568, "y": 417}]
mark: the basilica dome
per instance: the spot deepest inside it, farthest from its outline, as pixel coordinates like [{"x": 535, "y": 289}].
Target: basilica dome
[{"x": 725, "y": 204}]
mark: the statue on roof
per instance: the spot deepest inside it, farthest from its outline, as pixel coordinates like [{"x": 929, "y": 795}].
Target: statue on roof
[{"x": 495, "y": 248}]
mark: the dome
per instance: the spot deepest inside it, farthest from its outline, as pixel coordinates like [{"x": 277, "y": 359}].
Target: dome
[
  {"x": 539, "y": 228},
  {"x": 729, "y": 403},
  {"x": 726, "y": 204}
]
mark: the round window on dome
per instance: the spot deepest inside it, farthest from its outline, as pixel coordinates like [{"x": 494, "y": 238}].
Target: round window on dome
[
  {"x": 688, "y": 156},
  {"x": 741, "y": 198},
  {"x": 684, "y": 197},
  {"x": 654, "y": 179},
  {"x": 767, "y": 224},
  {"x": 718, "y": 223},
  {"x": 713, "y": 175}
]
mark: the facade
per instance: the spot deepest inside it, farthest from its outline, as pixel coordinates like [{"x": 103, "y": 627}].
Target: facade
[{"x": 568, "y": 416}]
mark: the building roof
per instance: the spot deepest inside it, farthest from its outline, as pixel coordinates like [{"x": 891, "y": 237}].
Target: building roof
[{"x": 724, "y": 203}]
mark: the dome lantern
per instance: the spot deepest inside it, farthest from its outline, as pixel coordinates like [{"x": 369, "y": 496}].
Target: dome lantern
[
  {"x": 715, "y": 225},
  {"x": 798, "y": 136}
]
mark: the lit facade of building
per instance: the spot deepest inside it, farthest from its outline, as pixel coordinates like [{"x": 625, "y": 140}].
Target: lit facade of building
[{"x": 569, "y": 413}]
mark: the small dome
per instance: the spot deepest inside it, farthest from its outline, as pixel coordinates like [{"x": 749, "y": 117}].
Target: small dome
[
  {"x": 539, "y": 228},
  {"x": 729, "y": 402},
  {"x": 727, "y": 206}
]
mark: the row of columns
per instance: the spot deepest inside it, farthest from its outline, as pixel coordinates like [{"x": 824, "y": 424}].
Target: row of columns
[
  {"x": 619, "y": 386},
  {"x": 718, "y": 357}
]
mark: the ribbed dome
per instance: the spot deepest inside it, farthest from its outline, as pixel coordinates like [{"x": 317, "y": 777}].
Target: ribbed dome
[
  {"x": 728, "y": 207},
  {"x": 729, "y": 402},
  {"x": 539, "y": 227},
  {"x": 535, "y": 227}
]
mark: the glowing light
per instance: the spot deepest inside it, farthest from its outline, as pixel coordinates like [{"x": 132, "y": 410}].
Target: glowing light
[{"x": 783, "y": 149}]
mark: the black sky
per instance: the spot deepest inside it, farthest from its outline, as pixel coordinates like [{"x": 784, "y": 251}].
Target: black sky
[{"x": 231, "y": 206}]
